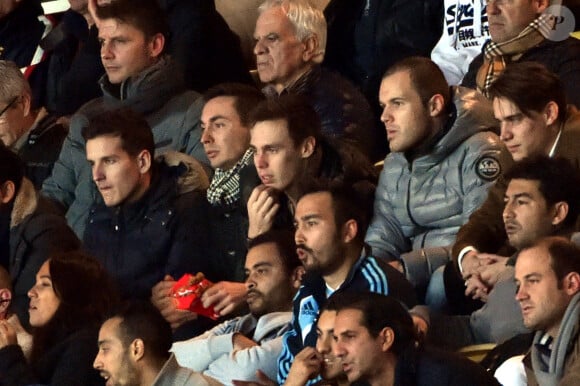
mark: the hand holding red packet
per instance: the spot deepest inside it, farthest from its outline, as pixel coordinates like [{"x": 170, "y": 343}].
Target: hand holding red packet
[{"x": 188, "y": 290}]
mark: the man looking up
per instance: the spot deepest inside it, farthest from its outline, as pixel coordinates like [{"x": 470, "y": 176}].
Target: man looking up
[{"x": 139, "y": 76}]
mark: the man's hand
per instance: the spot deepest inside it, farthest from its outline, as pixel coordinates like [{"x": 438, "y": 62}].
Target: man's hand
[
  {"x": 263, "y": 380},
  {"x": 476, "y": 288},
  {"x": 7, "y": 334},
  {"x": 306, "y": 365},
  {"x": 224, "y": 296},
  {"x": 262, "y": 207},
  {"x": 491, "y": 269},
  {"x": 167, "y": 305},
  {"x": 242, "y": 342}
]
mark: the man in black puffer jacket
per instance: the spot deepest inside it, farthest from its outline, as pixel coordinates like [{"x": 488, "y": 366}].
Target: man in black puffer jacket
[{"x": 147, "y": 224}]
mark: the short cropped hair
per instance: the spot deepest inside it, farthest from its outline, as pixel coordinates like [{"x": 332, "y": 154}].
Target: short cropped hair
[
  {"x": 284, "y": 242},
  {"x": 12, "y": 82},
  {"x": 306, "y": 19},
  {"x": 145, "y": 15},
  {"x": 426, "y": 77},
  {"x": 564, "y": 255},
  {"x": 12, "y": 168},
  {"x": 378, "y": 311},
  {"x": 246, "y": 97},
  {"x": 141, "y": 320},
  {"x": 558, "y": 181},
  {"x": 301, "y": 119},
  {"x": 130, "y": 126},
  {"x": 530, "y": 86},
  {"x": 348, "y": 202}
]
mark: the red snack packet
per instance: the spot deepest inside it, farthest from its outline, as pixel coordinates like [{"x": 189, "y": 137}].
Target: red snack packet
[{"x": 188, "y": 290}]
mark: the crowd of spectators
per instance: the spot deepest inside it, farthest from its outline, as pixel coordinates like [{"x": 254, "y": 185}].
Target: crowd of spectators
[{"x": 392, "y": 182}]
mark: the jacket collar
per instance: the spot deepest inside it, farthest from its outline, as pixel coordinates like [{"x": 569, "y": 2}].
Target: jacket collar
[{"x": 25, "y": 203}]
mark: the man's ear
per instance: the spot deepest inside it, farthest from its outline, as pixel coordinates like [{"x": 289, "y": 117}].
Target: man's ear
[
  {"x": 311, "y": 45},
  {"x": 144, "y": 160},
  {"x": 137, "y": 350},
  {"x": 436, "y": 105},
  {"x": 540, "y": 5},
  {"x": 386, "y": 338},
  {"x": 551, "y": 112},
  {"x": 26, "y": 101},
  {"x": 349, "y": 230},
  {"x": 156, "y": 45},
  {"x": 560, "y": 212},
  {"x": 308, "y": 146},
  {"x": 572, "y": 283},
  {"x": 296, "y": 277},
  {"x": 7, "y": 192}
]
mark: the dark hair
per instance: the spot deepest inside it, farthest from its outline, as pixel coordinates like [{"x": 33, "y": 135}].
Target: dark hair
[
  {"x": 145, "y": 15},
  {"x": 246, "y": 97},
  {"x": 141, "y": 320},
  {"x": 131, "y": 127},
  {"x": 284, "y": 241},
  {"x": 378, "y": 311},
  {"x": 426, "y": 77},
  {"x": 564, "y": 255},
  {"x": 558, "y": 181},
  {"x": 529, "y": 86},
  {"x": 86, "y": 293},
  {"x": 348, "y": 202},
  {"x": 301, "y": 119},
  {"x": 12, "y": 168}
]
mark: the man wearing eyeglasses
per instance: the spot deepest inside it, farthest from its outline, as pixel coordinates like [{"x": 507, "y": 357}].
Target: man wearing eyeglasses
[
  {"x": 528, "y": 31},
  {"x": 32, "y": 133}
]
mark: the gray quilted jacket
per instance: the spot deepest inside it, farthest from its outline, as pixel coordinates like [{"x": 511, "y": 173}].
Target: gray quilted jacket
[{"x": 422, "y": 204}]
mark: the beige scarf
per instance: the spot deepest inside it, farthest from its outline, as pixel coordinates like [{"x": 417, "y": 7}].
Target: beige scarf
[{"x": 497, "y": 55}]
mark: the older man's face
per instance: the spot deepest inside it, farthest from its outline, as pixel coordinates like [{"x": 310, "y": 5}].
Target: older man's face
[
  {"x": 507, "y": 18},
  {"x": 279, "y": 53}
]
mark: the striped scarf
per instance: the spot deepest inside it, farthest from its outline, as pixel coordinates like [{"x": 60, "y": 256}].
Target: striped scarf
[
  {"x": 497, "y": 55},
  {"x": 224, "y": 188}
]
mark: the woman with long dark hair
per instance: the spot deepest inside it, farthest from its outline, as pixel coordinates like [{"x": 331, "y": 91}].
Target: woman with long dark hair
[{"x": 71, "y": 297}]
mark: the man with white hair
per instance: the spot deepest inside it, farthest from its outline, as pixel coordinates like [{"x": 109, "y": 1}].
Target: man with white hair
[
  {"x": 290, "y": 38},
  {"x": 32, "y": 133}
]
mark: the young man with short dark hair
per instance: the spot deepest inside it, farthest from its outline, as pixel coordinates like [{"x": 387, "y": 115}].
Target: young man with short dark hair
[{"x": 148, "y": 222}]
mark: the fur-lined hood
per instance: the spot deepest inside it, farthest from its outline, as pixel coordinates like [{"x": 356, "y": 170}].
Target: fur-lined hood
[
  {"x": 194, "y": 177},
  {"x": 25, "y": 203}
]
